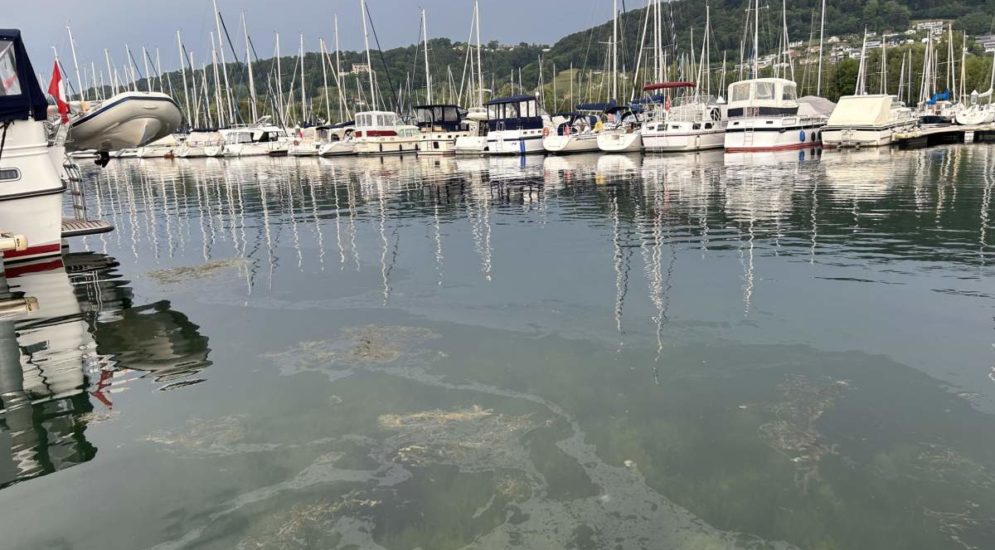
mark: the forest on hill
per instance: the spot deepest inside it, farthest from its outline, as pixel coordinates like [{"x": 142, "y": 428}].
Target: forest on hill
[{"x": 400, "y": 78}]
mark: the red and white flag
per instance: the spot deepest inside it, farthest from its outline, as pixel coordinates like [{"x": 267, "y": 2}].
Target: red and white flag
[{"x": 58, "y": 91}]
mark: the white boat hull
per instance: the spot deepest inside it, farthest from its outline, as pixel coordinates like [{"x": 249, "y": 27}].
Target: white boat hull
[
  {"x": 833, "y": 138},
  {"x": 439, "y": 143},
  {"x": 471, "y": 145},
  {"x": 39, "y": 219},
  {"x": 780, "y": 134},
  {"x": 620, "y": 142},
  {"x": 386, "y": 145},
  {"x": 572, "y": 143},
  {"x": 127, "y": 120},
  {"x": 337, "y": 148},
  {"x": 972, "y": 116},
  {"x": 677, "y": 141},
  {"x": 514, "y": 142}
]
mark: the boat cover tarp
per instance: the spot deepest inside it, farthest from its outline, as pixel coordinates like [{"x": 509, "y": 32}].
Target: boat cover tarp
[
  {"x": 31, "y": 102},
  {"x": 862, "y": 110},
  {"x": 818, "y": 104}
]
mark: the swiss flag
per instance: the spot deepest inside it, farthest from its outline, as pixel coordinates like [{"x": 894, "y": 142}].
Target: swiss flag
[{"x": 56, "y": 90}]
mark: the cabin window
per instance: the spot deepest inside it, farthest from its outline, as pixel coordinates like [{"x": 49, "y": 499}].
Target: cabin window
[
  {"x": 708, "y": 125},
  {"x": 424, "y": 116},
  {"x": 11, "y": 85},
  {"x": 451, "y": 114},
  {"x": 741, "y": 91},
  {"x": 492, "y": 112},
  {"x": 696, "y": 126},
  {"x": 789, "y": 92},
  {"x": 764, "y": 90},
  {"x": 9, "y": 174}
]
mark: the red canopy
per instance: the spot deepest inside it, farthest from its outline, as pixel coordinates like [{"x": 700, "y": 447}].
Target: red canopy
[{"x": 667, "y": 86}]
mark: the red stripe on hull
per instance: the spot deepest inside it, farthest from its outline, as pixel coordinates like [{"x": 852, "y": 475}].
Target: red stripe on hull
[
  {"x": 792, "y": 147},
  {"x": 42, "y": 250},
  {"x": 15, "y": 271}
]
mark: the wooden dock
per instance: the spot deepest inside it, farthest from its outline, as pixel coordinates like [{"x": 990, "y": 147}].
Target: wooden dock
[{"x": 929, "y": 136}]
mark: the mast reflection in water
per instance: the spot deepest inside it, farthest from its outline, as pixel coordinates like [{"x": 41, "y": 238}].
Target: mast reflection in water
[{"x": 61, "y": 363}]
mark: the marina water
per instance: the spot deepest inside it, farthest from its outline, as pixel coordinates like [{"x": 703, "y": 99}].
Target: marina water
[{"x": 704, "y": 351}]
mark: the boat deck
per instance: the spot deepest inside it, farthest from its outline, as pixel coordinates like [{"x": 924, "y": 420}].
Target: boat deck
[
  {"x": 77, "y": 227},
  {"x": 928, "y": 136}
]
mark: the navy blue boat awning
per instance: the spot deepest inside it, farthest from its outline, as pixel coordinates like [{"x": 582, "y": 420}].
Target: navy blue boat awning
[
  {"x": 30, "y": 102},
  {"x": 600, "y": 107},
  {"x": 511, "y": 99}
]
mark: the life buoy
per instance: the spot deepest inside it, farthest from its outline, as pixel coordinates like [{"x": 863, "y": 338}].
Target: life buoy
[{"x": 545, "y": 132}]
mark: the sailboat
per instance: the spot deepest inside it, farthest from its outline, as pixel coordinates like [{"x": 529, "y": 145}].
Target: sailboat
[
  {"x": 976, "y": 113},
  {"x": 475, "y": 141},
  {"x": 381, "y": 132},
  {"x": 765, "y": 114}
]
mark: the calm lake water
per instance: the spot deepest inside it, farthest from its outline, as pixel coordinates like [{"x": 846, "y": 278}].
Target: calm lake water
[{"x": 681, "y": 352}]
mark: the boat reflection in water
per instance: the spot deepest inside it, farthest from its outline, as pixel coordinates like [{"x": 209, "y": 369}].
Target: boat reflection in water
[{"x": 61, "y": 363}]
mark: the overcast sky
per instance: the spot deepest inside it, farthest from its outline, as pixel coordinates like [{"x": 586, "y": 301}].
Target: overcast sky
[{"x": 99, "y": 24}]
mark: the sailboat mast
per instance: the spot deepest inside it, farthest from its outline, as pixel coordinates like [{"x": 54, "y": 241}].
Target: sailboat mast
[
  {"x": 369, "y": 62},
  {"x": 183, "y": 71},
  {"x": 343, "y": 108},
  {"x": 480, "y": 68},
  {"x": 279, "y": 83},
  {"x": 303, "y": 92},
  {"x": 217, "y": 83},
  {"x": 884, "y": 67},
  {"x": 110, "y": 72},
  {"x": 615, "y": 49},
  {"x": 79, "y": 81},
  {"x": 248, "y": 63},
  {"x": 822, "y": 35},
  {"x": 148, "y": 76},
  {"x": 224, "y": 69},
  {"x": 324, "y": 79},
  {"x": 428, "y": 74},
  {"x": 756, "y": 40}
]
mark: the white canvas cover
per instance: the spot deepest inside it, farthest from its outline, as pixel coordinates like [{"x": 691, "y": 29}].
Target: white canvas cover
[{"x": 862, "y": 110}]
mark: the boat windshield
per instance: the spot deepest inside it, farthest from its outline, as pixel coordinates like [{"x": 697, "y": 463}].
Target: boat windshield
[
  {"x": 11, "y": 85},
  {"x": 741, "y": 91}
]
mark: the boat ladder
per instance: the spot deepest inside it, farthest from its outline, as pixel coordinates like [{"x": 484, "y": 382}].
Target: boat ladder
[{"x": 80, "y": 225}]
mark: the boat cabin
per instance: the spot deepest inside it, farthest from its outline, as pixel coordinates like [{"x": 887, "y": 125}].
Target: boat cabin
[
  {"x": 265, "y": 134},
  {"x": 514, "y": 113},
  {"x": 763, "y": 97},
  {"x": 439, "y": 118},
  {"x": 376, "y": 123}
]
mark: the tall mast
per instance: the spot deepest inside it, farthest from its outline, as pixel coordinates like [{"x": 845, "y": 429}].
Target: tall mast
[
  {"x": 480, "y": 68},
  {"x": 822, "y": 33},
  {"x": 248, "y": 63},
  {"x": 148, "y": 75},
  {"x": 158, "y": 70},
  {"x": 884, "y": 67},
  {"x": 193, "y": 90},
  {"x": 324, "y": 79},
  {"x": 110, "y": 72},
  {"x": 343, "y": 108},
  {"x": 183, "y": 71},
  {"x": 224, "y": 68},
  {"x": 279, "y": 82},
  {"x": 428, "y": 74},
  {"x": 217, "y": 83},
  {"x": 756, "y": 40},
  {"x": 369, "y": 62},
  {"x": 303, "y": 93},
  {"x": 615, "y": 49},
  {"x": 79, "y": 81}
]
